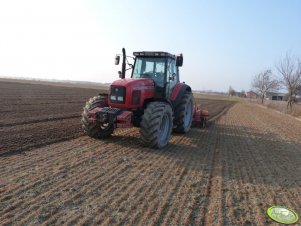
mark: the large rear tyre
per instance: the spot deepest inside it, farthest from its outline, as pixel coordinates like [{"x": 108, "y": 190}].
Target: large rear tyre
[
  {"x": 97, "y": 129},
  {"x": 183, "y": 114},
  {"x": 156, "y": 124}
]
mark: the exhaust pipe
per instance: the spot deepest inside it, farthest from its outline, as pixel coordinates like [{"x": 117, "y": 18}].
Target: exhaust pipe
[{"x": 123, "y": 64}]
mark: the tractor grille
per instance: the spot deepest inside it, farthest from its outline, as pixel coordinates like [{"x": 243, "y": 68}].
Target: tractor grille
[{"x": 117, "y": 94}]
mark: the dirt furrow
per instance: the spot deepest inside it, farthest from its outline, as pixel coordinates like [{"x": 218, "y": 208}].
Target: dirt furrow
[
  {"x": 188, "y": 208},
  {"x": 157, "y": 164},
  {"x": 78, "y": 174},
  {"x": 110, "y": 188},
  {"x": 150, "y": 193},
  {"x": 46, "y": 179},
  {"x": 254, "y": 154},
  {"x": 47, "y": 119}
]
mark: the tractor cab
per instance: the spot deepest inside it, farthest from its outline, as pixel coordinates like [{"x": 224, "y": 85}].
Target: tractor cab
[{"x": 161, "y": 67}]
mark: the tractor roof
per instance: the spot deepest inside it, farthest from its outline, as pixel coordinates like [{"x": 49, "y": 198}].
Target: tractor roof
[{"x": 154, "y": 54}]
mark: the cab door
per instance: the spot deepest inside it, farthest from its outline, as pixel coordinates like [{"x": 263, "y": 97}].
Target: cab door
[{"x": 172, "y": 76}]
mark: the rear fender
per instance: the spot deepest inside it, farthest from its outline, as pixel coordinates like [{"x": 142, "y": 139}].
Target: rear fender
[
  {"x": 147, "y": 101},
  {"x": 178, "y": 92}
]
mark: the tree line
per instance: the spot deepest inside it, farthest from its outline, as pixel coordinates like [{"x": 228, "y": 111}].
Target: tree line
[{"x": 288, "y": 77}]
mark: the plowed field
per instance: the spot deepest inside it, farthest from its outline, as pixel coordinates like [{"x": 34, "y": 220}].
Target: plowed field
[
  {"x": 227, "y": 174},
  {"x": 34, "y": 115}
]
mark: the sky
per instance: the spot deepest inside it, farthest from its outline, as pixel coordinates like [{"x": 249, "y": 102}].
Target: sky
[{"x": 224, "y": 43}]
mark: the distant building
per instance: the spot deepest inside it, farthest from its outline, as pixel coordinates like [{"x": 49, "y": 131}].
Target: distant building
[
  {"x": 252, "y": 95},
  {"x": 275, "y": 96}
]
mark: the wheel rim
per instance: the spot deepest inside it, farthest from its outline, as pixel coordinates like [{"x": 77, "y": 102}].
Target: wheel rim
[
  {"x": 164, "y": 128},
  {"x": 188, "y": 111},
  {"x": 105, "y": 126}
]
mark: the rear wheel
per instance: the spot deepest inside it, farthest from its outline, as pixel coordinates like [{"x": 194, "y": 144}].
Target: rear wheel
[
  {"x": 184, "y": 114},
  {"x": 156, "y": 124},
  {"x": 97, "y": 129}
]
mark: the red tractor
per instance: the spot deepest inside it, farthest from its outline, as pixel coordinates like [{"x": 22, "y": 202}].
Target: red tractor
[{"x": 153, "y": 99}]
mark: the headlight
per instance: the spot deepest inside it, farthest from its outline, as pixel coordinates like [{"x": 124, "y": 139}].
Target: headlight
[{"x": 117, "y": 94}]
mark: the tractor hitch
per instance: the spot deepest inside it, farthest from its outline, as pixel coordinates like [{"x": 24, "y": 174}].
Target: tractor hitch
[
  {"x": 120, "y": 118},
  {"x": 108, "y": 114}
]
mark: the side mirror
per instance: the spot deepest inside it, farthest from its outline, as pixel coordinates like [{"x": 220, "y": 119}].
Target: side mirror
[
  {"x": 117, "y": 59},
  {"x": 119, "y": 74},
  {"x": 179, "y": 60}
]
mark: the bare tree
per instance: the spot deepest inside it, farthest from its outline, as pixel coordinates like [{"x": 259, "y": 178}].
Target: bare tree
[
  {"x": 265, "y": 82},
  {"x": 299, "y": 90},
  {"x": 290, "y": 70}
]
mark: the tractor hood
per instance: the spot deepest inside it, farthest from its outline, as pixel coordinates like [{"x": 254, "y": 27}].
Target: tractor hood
[
  {"x": 131, "y": 93},
  {"x": 134, "y": 82}
]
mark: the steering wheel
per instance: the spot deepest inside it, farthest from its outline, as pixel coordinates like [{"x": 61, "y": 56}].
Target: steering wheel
[
  {"x": 158, "y": 76},
  {"x": 146, "y": 75}
]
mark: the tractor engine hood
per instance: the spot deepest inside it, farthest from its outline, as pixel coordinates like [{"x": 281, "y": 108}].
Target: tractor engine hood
[
  {"x": 131, "y": 92},
  {"x": 134, "y": 82}
]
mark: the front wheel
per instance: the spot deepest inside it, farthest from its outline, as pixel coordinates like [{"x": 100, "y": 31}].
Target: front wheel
[
  {"x": 156, "y": 124},
  {"x": 97, "y": 129}
]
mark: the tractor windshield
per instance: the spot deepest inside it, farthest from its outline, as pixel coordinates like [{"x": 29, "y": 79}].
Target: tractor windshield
[{"x": 154, "y": 68}]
